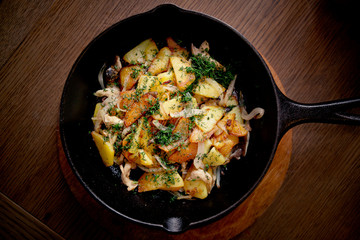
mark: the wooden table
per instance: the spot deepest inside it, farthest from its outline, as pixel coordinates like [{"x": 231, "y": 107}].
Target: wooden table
[{"x": 312, "y": 45}]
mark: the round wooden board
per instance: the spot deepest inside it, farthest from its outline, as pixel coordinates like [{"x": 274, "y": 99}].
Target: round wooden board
[{"x": 227, "y": 227}]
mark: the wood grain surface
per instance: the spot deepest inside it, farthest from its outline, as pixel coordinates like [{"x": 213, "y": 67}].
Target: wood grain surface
[{"x": 312, "y": 45}]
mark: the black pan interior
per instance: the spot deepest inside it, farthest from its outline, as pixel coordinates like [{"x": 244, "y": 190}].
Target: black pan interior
[{"x": 78, "y": 102}]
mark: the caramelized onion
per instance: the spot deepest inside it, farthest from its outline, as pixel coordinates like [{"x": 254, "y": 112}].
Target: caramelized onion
[{"x": 256, "y": 113}]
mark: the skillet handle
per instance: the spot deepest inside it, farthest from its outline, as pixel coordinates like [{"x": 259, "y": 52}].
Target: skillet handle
[{"x": 293, "y": 113}]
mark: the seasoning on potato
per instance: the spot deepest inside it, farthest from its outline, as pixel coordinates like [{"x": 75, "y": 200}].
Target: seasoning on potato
[{"x": 172, "y": 114}]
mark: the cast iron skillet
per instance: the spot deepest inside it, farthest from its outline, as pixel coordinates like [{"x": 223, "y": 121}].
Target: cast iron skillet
[{"x": 254, "y": 80}]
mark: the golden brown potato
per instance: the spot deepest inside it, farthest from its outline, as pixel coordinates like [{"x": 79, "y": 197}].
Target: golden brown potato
[
  {"x": 161, "y": 62},
  {"x": 214, "y": 158},
  {"x": 146, "y": 82},
  {"x": 229, "y": 143},
  {"x": 197, "y": 187},
  {"x": 176, "y": 49},
  {"x": 170, "y": 181},
  {"x": 184, "y": 154},
  {"x": 167, "y": 77},
  {"x": 209, "y": 88},
  {"x": 129, "y": 76},
  {"x": 238, "y": 130},
  {"x": 106, "y": 149},
  {"x": 127, "y": 98},
  {"x": 208, "y": 121},
  {"x": 142, "y": 53},
  {"x": 182, "y": 76},
  {"x": 138, "y": 109}
]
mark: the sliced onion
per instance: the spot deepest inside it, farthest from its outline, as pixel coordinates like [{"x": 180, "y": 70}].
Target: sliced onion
[
  {"x": 112, "y": 120},
  {"x": 112, "y": 138},
  {"x": 174, "y": 145},
  {"x": 187, "y": 113},
  {"x": 171, "y": 88},
  {"x": 198, "y": 163},
  {"x": 237, "y": 154},
  {"x": 180, "y": 196},
  {"x": 183, "y": 169},
  {"x": 159, "y": 126},
  {"x": 228, "y": 93},
  {"x": 185, "y": 197},
  {"x": 247, "y": 143},
  {"x": 222, "y": 126},
  {"x": 218, "y": 174},
  {"x": 158, "y": 159},
  {"x": 256, "y": 113},
  {"x": 125, "y": 176},
  {"x": 204, "y": 47},
  {"x": 194, "y": 50},
  {"x": 203, "y": 176},
  {"x": 122, "y": 110},
  {"x": 101, "y": 76},
  {"x": 151, "y": 170},
  {"x": 125, "y": 131},
  {"x": 119, "y": 160}
]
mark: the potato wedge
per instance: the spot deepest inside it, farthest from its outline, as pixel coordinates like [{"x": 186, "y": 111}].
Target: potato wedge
[
  {"x": 143, "y": 53},
  {"x": 167, "y": 77},
  {"x": 146, "y": 82},
  {"x": 170, "y": 181},
  {"x": 232, "y": 101},
  {"x": 208, "y": 87},
  {"x": 214, "y": 158},
  {"x": 176, "y": 49},
  {"x": 145, "y": 158},
  {"x": 184, "y": 154},
  {"x": 145, "y": 136},
  {"x": 197, "y": 136},
  {"x": 219, "y": 141},
  {"x": 129, "y": 76},
  {"x": 227, "y": 122},
  {"x": 181, "y": 129},
  {"x": 161, "y": 62},
  {"x": 196, "y": 187},
  {"x": 237, "y": 112},
  {"x": 183, "y": 78},
  {"x": 106, "y": 149},
  {"x": 238, "y": 130},
  {"x": 208, "y": 121},
  {"x": 138, "y": 109},
  {"x": 229, "y": 143},
  {"x": 172, "y": 106},
  {"x": 127, "y": 98},
  {"x": 96, "y": 110},
  {"x": 132, "y": 141},
  {"x": 150, "y": 52}
]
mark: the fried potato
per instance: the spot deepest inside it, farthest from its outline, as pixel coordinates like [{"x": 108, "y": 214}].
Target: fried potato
[
  {"x": 208, "y": 121},
  {"x": 129, "y": 76},
  {"x": 106, "y": 149},
  {"x": 138, "y": 109},
  {"x": 182, "y": 76},
  {"x": 161, "y": 62},
  {"x": 170, "y": 181}
]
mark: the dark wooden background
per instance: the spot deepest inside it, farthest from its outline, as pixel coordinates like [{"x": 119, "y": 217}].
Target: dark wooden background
[{"x": 312, "y": 45}]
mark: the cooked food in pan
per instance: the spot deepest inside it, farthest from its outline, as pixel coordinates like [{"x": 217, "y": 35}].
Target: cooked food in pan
[{"x": 172, "y": 113}]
